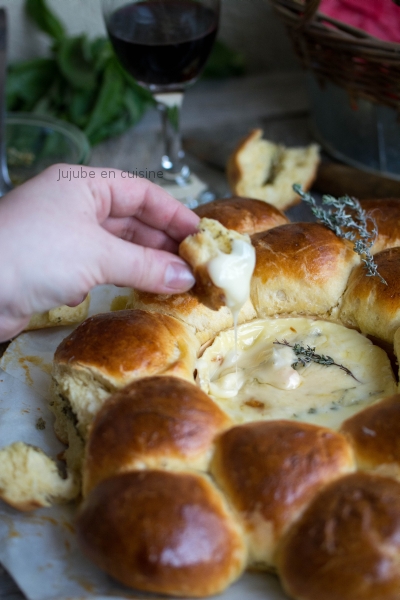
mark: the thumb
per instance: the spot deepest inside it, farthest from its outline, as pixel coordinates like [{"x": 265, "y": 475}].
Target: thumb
[{"x": 147, "y": 269}]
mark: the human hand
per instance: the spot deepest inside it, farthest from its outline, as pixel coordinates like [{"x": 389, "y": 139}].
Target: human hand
[{"x": 60, "y": 238}]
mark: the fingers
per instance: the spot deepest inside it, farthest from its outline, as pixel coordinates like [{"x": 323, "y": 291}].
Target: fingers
[
  {"x": 152, "y": 270},
  {"x": 11, "y": 326},
  {"x": 132, "y": 230},
  {"x": 149, "y": 203}
]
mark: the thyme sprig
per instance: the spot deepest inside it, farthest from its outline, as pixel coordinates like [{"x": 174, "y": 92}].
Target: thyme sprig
[
  {"x": 307, "y": 355},
  {"x": 352, "y": 226}
]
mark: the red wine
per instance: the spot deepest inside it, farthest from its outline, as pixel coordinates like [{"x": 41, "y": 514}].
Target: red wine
[{"x": 163, "y": 43}]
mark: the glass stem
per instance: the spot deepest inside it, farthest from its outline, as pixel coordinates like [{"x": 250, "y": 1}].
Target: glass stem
[{"x": 172, "y": 161}]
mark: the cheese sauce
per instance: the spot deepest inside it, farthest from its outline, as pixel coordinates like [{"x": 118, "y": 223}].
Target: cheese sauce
[
  {"x": 232, "y": 273},
  {"x": 268, "y": 387}
]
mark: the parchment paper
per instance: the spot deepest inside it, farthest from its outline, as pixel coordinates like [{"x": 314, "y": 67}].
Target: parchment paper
[{"x": 39, "y": 549}]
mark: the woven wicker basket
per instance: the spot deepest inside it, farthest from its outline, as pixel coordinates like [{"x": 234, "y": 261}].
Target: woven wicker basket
[{"x": 365, "y": 66}]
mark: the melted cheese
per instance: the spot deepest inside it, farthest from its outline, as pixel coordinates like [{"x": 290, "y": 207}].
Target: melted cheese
[
  {"x": 268, "y": 387},
  {"x": 232, "y": 273}
]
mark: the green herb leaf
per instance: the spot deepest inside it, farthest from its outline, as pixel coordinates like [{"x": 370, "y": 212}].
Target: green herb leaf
[
  {"x": 307, "y": 355},
  {"x": 352, "y": 226},
  {"x": 45, "y": 19},
  {"x": 224, "y": 62},
  {"x": 74, "y": 60},
  {"x": 28, "y": 81},
  {"x": 109, "y": 102}
]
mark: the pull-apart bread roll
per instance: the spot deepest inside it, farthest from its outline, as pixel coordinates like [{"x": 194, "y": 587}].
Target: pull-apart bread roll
[
  {"x": 369, "y": 304},
  {"x": 244, "y": 215},
  {"x": 374, "y": 434},
  {"x": 110, "y": 350},
  {"x": 270, "y": 471},
  {"x": 261, "y": 169},
  {"x": 156, "y": 422},
  {"x": 346, "y": 546},
  {"x": 385, "y": 215},
  {"x": 301, "y": 268},
  {"x": 204, "y": 322},
  {"x": 29, "y": 479},
  {"x": 163, "y": 532},
  {"x": 222, "y": 261},
  {"x": 60, "y": 316}
]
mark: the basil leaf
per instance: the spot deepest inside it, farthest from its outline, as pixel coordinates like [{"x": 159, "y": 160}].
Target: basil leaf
[
  {"x": 45, "y": 19},
  {"x": 28, "y": 81},
  {"x": 74, "y": 62},
  {"x": 109, "y": 101}
]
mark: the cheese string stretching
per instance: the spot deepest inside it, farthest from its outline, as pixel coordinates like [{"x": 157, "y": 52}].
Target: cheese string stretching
[{"x": 59, "y": 239}]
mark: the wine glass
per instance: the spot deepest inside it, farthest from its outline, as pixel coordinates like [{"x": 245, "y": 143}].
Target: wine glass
[{"x": 164, "y": 45}]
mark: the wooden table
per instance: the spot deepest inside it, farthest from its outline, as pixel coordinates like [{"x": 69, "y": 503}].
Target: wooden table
[{"x": 215, "y": 116}]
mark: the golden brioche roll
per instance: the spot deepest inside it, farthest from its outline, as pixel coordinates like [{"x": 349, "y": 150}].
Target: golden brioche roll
[
  {"x": 156, "y": 422},
  {"x": 301, "y": 268},
  {"x": 162, "y": 532},
  {"x": 346, "y": 545},
  {"x": 369, "y": 304},
  {"x": 111, "y": 350},
  {"x": 374, "y": 434},
  {"x": 186, "y": 307},
  {"x": 270, "y": 471},
  {"x": 258, "y": 168},
  {"x": 245, "y": 215},
  {"x": 210, "y": 241},
  {"x": 386, "y": 217}
]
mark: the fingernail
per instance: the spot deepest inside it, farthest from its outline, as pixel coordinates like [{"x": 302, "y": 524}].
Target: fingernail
[{"x": 178, "y": 277}]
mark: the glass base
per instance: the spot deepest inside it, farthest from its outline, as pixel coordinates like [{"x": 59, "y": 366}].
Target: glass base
[{"x": 191, "y": 193}]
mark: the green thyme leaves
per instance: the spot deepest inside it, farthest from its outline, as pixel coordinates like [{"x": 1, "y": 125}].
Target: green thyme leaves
[
  {"x": 349, "y": 221},
  {"x": 306, "y": 355}
]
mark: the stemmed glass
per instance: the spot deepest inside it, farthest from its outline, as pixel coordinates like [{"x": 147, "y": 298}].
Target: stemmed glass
[{"x": 164, "y": 45}]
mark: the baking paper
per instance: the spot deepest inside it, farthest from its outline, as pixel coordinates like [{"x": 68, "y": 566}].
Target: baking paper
[{"x": 39, "y": 548}]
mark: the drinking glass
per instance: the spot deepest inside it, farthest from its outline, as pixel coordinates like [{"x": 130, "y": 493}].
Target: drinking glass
[{"x": 164, "y": 45}]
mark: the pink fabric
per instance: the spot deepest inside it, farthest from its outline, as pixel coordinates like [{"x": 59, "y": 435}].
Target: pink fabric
[{"x": 380, "y": 18}]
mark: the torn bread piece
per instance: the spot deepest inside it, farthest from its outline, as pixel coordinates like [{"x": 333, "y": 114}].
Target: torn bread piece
[
  {"x": 59, "y": 316},
  {"x": 29, "y": 479},
  {"x": 223, "y": 262},
  {"x": 266, "y": 171}
]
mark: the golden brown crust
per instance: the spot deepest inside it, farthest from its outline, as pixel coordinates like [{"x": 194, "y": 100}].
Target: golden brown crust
[
  {"x": 156, "y": 422},
  {"x": 346, "y": 545},
  {"x": 374, "y": 434},
  {"x": 129, "y": 344},
  {"x": 301, "y": 268},
  {"x": 162, "y": 532},
  {"x": 385, "y": 213},
  {"x": 271, "y": 470},
  {"x": 245, "y": 215},
  {"x": 187, "y": 308},
  {"x": 368, "y": 304}
]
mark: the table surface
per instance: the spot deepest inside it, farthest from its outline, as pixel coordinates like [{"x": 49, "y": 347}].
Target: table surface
[{"x": 216, "y": 114}]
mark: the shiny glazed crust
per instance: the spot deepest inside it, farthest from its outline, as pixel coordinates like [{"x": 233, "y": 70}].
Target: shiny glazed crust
[
  {"x": 185, "y": 541},
  {"x": 369, "y": 304},
  {"x": 374, "y": 434},
  {"x": 122, "y": 435},
  {"x": 245, "y": 215},
  {"x": 386, "y": 217},
  {"x": 280, "y": 496},
  {"x": 301, "y": 268},
  {"x": 271, "y": 470},
  {"x": 347, "y": 543}
]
